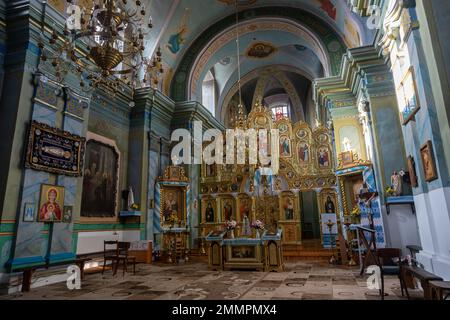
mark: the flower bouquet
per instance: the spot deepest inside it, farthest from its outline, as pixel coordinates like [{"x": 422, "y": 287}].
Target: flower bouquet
[
  {"x": 172, "y": 219},
  {"x": 356, "y": 212},
  {"x": 389, "y": 191},
  {"x": 230, "y": 225},
  {"x": 257, "y": 225}
]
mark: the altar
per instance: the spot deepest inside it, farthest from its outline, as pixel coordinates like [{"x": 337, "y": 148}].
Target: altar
[
  {"x": 262, "y": 254},
  {"x": 173, "y": 208}
]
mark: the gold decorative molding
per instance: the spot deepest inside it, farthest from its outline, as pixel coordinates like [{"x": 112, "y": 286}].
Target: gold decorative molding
[
  {"x": 175, "y": 174},
  {"x": 349, "y": 159}
]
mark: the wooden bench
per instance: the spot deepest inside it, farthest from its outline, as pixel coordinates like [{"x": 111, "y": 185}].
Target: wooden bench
[
  {"x": 424, "y": 276},
  {"x": 438, "y": 289},
  {"x": 27, "y": 272}
]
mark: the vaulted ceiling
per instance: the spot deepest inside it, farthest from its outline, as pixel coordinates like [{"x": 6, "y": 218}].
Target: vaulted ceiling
[
  {"x": 197, "y": 15},
  {"x": 198, "y": 36}
]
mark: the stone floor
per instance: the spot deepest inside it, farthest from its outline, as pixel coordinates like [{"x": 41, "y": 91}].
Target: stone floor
[{"x": 193, "y": 281}]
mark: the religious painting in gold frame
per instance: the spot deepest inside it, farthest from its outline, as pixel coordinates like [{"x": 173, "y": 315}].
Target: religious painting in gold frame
[
  {"x": 227, "y": 208},
  {"x": 210, "y": 170},
  {"x": 284, "y": 126},
  {"x": 428, "y": 162},
  {"x": 288, "y": 206},
  {"x": 328, "y": 201},
  {"x": 210, "y": 213},
  {"x": 173, "y": 206},
  {"x": 346, "y": 159},
  {"x": 412, "y": 171},
  {"x": 324, "y": 157},
  {"x": 302, "y": 134},
  {"x": 303, "y": 153},
  {"x": 175, "y": 172},
  {"x": 267, "y": 211},
  {"x": 285, "y": 147},
  {"x": 51, "y": 203},
  {"x": 244, "y": 215}
]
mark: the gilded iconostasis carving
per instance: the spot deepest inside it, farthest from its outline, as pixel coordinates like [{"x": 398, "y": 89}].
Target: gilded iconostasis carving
[{"x": 234, "y": 192}]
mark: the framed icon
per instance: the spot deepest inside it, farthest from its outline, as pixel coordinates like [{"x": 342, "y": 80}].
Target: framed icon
[
  {"x": 51, "y": 203},
  {"x": 428, "y": 163},
  {"x": 29, "y": 211}
]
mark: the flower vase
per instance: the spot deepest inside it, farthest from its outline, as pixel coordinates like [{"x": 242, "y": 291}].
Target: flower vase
[{"x": 232, "y": 233}]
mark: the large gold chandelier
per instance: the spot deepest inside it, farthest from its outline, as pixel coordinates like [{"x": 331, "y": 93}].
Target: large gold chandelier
[{"x": 104, "y": 45}]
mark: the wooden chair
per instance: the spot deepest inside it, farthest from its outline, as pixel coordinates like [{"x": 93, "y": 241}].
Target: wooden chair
[
  {"x": 122, "y": 255},
  {"x": 385, "y": 260},
  {"x": 110, "y": 253}
]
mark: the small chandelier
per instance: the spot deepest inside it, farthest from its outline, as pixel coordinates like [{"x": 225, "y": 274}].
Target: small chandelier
[
  {"x": 153, "y": 69},
  {"x": 103, "y": 44},
  {"x": 240, "y": 116}
]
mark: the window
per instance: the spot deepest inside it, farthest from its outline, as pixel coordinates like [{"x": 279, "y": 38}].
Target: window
[
  {"x": 208, "y": 93},
  {"x": 280, "y": 111}
]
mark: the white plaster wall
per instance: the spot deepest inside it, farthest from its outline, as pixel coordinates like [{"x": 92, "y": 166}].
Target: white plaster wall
[
  {"x": 433, "y": 216},
  {"x": 402, "y": 229},
  {"x": 89, "y": 242}
]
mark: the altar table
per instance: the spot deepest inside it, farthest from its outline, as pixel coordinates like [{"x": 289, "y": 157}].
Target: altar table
[{"x": 262, "y": 254}]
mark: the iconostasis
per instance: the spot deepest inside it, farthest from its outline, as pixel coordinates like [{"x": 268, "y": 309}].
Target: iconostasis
[{"x": 238, "y": 192}]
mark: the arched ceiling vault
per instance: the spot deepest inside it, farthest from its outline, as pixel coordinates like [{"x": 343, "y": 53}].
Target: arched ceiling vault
[
  {"x": 169, "y": 17},
  {"x": 294, "y": 26},
  {"x": 261, "y": 76},
  {"x": 277, "y": 34},
  {"x": 228, "y": 76}
]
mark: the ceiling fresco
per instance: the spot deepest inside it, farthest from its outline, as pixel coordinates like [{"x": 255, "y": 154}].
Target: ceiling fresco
[
  {"x": 177, "y": 23},
  {"x": 197, "y": 36},
  {"x": 184, "y": 27}
]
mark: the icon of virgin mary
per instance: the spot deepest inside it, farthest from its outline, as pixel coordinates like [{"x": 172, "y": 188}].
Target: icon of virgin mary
[{"x": 50, "y": 210}]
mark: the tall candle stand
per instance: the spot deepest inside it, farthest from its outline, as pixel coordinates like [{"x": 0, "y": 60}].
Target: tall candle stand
[
  {"x": 347, "y": 223},
  {"x": 330, "y": 225}
]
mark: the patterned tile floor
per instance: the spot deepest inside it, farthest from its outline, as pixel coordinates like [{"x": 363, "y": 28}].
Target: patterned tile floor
[{"x": 193, "y": 281}]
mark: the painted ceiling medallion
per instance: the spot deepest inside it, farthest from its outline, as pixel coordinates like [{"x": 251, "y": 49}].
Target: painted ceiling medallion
[
  {"x": 225, "y": 61},
  {"x": 240, "y": 2},
  {"x": 261, "y": 50}
]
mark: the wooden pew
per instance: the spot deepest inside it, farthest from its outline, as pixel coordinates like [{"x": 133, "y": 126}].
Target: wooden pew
[
  {"x": 424, "y": 276},
  {"x": 27, "y": 272}
]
